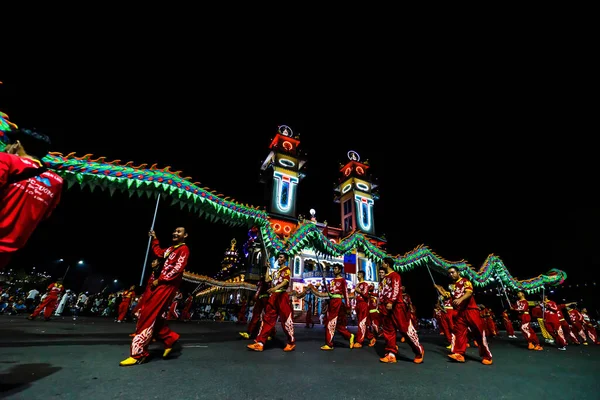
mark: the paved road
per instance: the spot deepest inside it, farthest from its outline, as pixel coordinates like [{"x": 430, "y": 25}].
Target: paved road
[{"x": 79, "y": 360}]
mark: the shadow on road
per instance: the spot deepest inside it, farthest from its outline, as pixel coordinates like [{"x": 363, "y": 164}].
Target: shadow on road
[{"x": 20, "y": 377}]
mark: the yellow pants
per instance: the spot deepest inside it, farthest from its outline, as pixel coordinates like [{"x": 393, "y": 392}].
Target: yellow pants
[{"x": 543, "y": 329}]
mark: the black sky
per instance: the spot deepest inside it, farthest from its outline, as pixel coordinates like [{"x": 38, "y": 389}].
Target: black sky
[{"x": 470, "y": 166}]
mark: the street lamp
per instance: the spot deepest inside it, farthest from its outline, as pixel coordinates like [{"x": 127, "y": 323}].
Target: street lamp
[{"x": 80, "y": 262}]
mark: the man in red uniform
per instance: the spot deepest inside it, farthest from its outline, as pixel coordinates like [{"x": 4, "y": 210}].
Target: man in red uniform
[
  {"x": 448, "y": 314},
  {"x": 395, "y": 316},
  {"x": 28, "y": 192},
  {"x": 510, "y": 331},
  {"x": 589, "y": 327},
  {"x": 278, "y": 305},
  {"x": 49, "y": 303},
  {"x": 126, "y": 298},
  {"x": 373, "y": 318},
  {"x": 151, "y": 323},
  {"x": 362, "y": 308},
  {"x": 552, "y": 323},
  {"x": 337, "y": 311},
  {"x": 261, "y": 298},
  {"x": 467, "y": 317},
  {"x": 522, "y": 307},
  {"x": 564, "y": 324},
  {"x": 186, "y": 314},
  {"x": 577, "y": 321}
]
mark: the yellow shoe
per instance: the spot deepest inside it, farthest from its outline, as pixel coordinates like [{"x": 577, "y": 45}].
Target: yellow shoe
[
  {"x": 326, "y": 348},
  {"x": 357, "y": 346},
  {"x": 269, "y": 338},
  {"x": 244, "y": 335},
  {"x": 388, "y": 359},
  {"x": 289, "y": 347},
  {"x": 352, "y": 340},
  {"x": 167, "y": 351},
  {"x": 449, "y": 347},
  {"x": 457, "y": 357},
  {"x": 256, "y": 346},
  {"x": 132, "y": 361}
]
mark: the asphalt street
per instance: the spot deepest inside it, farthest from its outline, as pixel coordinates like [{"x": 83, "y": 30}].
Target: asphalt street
[{"x": 69, "y": 359}]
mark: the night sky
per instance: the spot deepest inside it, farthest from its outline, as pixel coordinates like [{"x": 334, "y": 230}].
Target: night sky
[{"x": 466, "y": 169}]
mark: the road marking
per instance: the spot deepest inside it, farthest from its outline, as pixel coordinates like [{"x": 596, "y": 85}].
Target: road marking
[{"x": 193, "y": 346}]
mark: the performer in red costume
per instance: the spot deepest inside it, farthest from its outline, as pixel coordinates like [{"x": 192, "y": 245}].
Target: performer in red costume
[
  {"x": 467, "y": 316},
  {"x": 242, "y": 313},
  {"x": 309, "y": 323},
  {"x": 261, "y": 298},
  {"x": 552, "y": 323},
  {"x": 411, "y": 310},
  {"x": 362, "y": 291},
  {"x": 49, "y": 303},
  {"x": 589, "y": 327},
  {"x": 395, "y": 316},
  {"x": 564, "y": 324},
  {"x": 28, "y": 192},
  {"x": 151, "y": 323},
  {"x": 522, "y": 307},
  {"x": 337, "y": 311},
  {"x": 277, "y": 306},
  {"x": 186, "y": 314},
  {"x": 577, "y": 321},
  {"x": 126, "y": 298},
  {"x": 373, "y": 317},
  {"x": 448, "y": 314},
  {"x": 510, "y": 331}
]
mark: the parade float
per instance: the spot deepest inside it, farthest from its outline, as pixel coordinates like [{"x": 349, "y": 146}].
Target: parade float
[{"x": 313, "y": 247}]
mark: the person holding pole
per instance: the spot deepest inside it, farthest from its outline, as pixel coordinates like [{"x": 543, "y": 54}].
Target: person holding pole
[{"x": 150, "y": 322}]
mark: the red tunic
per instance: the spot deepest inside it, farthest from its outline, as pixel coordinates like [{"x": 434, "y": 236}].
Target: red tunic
[
  {"x": 25, "y": 203},
  {"x": 363, "y": 291},
  {"x": 458, "y": 289},
  {"x": 176, "y": 258}
]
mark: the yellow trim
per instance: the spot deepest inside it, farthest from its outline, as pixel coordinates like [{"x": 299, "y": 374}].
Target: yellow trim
[
  {"x": 372, "y": 311},
  {"x": 336, "y": 296},
  {"x": 263, "y": 295}
]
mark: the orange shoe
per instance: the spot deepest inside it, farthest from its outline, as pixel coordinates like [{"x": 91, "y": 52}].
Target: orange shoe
[
  {"x": 530, "y": 346},
  {"x": 289, "y": 347},
  {"x": 326, "y": 347},
  {"x": 389, "y": 358},
  {"x": 486, "y": 361},
  {"x": 372, "y": 342},
  {"x": 538, "y": 348},
  {"x": 419, "y": 359},
  {"x": 132, "y": 334},
  {"x": 402, "y": 340},
  {"x": 468, "y": 345},
  {"x": 256, "y": 346},
  {"x": 475, "y": 343},
  {"x": 457, "y": 357},
  {"x": 357, "y": 346}
]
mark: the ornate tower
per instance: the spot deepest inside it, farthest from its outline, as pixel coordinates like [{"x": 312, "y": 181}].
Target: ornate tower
[
  {"x": 230, "y": 265},
  {"x": 356, "y": 194},
  {"x": 287, "y": 163}
]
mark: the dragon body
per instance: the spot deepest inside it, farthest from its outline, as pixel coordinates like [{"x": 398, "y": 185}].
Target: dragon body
[{"x": 151, "y": 181}]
